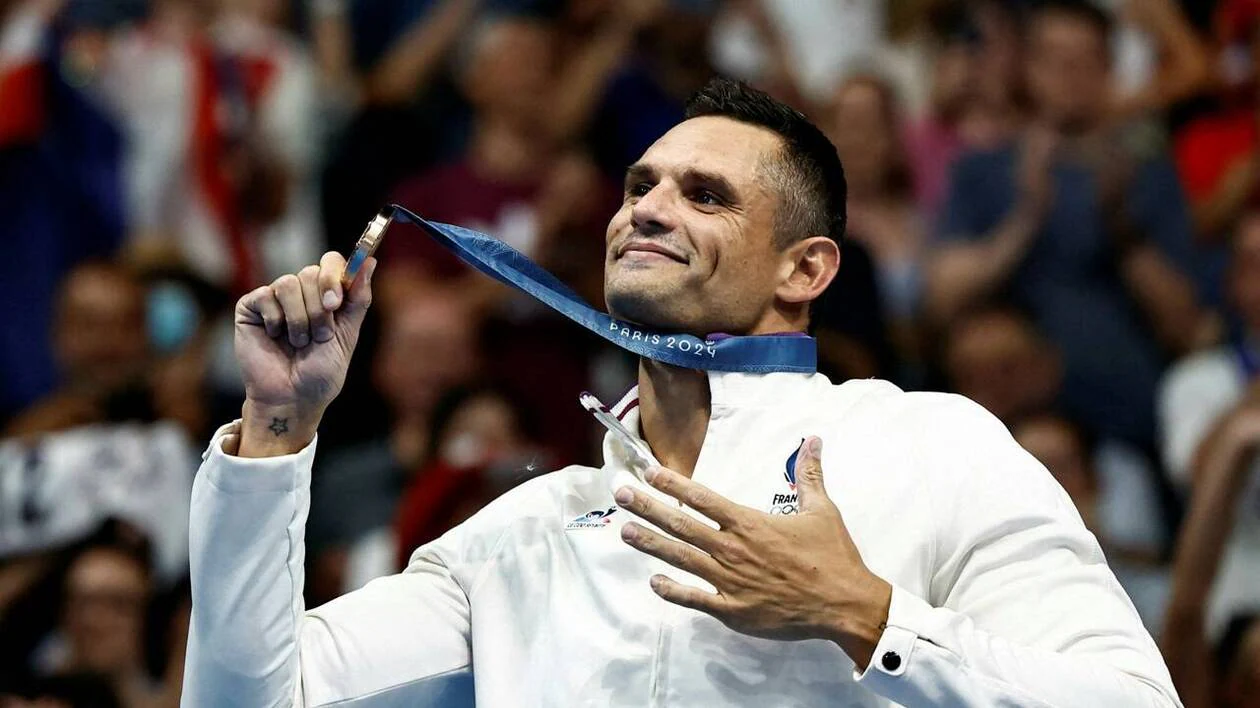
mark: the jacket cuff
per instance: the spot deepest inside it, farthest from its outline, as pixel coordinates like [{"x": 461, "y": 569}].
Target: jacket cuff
[
  {"x": 242, "y": 475},
  {"x": 908, "y": 616}
]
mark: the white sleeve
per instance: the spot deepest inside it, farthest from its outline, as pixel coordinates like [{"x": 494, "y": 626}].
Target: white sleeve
[
  {"x": 1025, "y": 611},
  {"x": 403, "y": 639}
]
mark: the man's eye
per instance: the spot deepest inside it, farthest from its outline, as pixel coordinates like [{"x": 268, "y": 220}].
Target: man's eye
[
  {"x": 639, "y": 190},
  {"x": 707, "y": 198}
]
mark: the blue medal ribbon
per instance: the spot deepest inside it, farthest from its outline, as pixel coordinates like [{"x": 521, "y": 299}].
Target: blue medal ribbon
[{"x": 760, "y": 354}]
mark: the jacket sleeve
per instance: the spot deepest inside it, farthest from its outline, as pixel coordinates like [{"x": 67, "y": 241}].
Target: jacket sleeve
[
  {"x": 1023, "y": 608},
  {"x": 403, "y": 637}
]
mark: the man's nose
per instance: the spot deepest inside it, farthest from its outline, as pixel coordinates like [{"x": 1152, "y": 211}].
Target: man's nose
[{"x": 655, "y": 212}]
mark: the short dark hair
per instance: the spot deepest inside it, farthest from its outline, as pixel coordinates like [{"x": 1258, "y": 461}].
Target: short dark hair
[
  {"x": 1080, "y": 10},
  {"x": 808, "y": 173}
]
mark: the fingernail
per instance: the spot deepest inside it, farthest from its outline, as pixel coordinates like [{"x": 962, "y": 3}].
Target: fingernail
[
  {"x": 655, "y": 582},
  {"x": 624, "y": 495},
  {"x": 302, "y": 339},
  {"x": 323, "y": 334},
  {"x": 814, "y": 446},
  {"x": 651, "y": 473},
  {"x": 330, "y": 300},
  {"x": 629, "y": 532}
]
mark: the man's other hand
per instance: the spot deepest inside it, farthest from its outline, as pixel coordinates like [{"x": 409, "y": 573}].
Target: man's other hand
[
  {"x": 294, "y": 339},
  {"x": 777, "y": 577}
]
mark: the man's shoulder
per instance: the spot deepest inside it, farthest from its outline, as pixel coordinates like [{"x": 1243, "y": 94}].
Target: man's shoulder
[{"x": 879, "y": 401}]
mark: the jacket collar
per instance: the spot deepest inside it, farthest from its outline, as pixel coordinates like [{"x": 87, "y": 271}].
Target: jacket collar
[{"x": 730, "y": 392}]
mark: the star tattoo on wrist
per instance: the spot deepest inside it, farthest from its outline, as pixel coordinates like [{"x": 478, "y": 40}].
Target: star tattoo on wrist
[{"x": 279, "y": 426}]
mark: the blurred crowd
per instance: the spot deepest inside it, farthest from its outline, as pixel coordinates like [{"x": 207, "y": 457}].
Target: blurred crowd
[{"x": 1054, "y": 209}]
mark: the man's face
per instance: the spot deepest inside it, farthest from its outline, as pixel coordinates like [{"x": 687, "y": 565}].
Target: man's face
[
  {"x": 1244, "y": 276},
  {"x": 692, "y": 248},
  {"x": 1068, "y": 75}
]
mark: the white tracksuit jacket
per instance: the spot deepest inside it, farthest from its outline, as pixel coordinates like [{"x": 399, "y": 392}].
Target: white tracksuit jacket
[{"x": 1001, "y": 597}]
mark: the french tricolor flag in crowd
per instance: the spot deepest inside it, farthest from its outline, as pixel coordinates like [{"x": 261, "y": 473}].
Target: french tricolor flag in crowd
[{"x": 22, "y": 78}]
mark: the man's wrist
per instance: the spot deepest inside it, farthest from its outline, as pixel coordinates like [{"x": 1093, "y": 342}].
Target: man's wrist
[
  {"x": 858, "y": 630},
  {"x": 274, "y": 430}
]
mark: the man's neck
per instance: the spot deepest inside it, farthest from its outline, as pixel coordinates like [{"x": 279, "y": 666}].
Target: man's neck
[{"x": 673, "y": 413}]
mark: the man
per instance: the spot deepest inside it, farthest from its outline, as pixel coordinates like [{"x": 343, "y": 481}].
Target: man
[
  {"x": 100, "y": 345},
  {"x": 959, "y": 573},
  {"x": 1088, "y": 239},
  {"x": 1210, "y": 414}
]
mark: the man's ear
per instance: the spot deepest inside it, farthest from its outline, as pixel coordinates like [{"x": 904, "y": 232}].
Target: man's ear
[{"x": 809, "y": 266}]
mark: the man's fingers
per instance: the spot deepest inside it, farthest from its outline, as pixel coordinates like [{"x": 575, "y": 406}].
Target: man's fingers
[
  {"x": 809, "y": 474},
  {"x": 676, "y": 553},
  {"x": 331, "y": 266},
  {"x": 355, "y": 304},
  {"x": 697, "y": 496},
  {"x": 672, "y": 521},
  {"x": 320, "y": 319},
  {"x": 288, "y": 290},
  {"x": 687, "y": 596},
  {"x": 360, "y": 294},
  {"x": 260, "y": 306}
]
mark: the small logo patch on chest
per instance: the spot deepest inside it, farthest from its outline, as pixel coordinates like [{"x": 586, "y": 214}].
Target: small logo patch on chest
[
  {"x": 786, "y": 504},
  {"x": 595, "y": 519}
]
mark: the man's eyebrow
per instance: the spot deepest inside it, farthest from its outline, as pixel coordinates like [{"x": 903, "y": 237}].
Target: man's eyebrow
[
  {"x": 639, "y": 171},
  {"x": 718, "y": 182}
]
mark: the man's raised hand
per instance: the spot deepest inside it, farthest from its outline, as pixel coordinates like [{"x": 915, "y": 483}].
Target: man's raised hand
[{"x": 294, "y": 339}]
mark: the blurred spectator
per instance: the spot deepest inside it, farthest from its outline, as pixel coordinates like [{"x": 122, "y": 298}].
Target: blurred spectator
[
  {"x": 97, "y": 609},
  {"x": 482, "y": 445},
  {"x": 1157, "y": 58},
  {"x": 974, "y": 98},
  {"x": 1115, "y": 501},
  {"x": 1209, "y": 409},
  {"x": 1237, "y": 659},
  {"x": 808, "y": 48},
  {"x": 219, "y": 106},
  {"x": 1224, "y": 494},
  {"x": 95, "y": 448},
  {"x": 283, "y": 143},
  {"x": 429, "y": 345},
  {"x": 107, "y": 593},
  {"x": 514, "y": 182},
  {"x": 386, "y": 59},
  {"x": 61, "y": 187},
  {"x": 101, "y": 348},
  {"x": 997, "y": 358},
  {"x": 128, "y": 349},
  {"x": 865, "y": 127},
  {"x": 1088, "y": 238},
  {"x": 1217, "y": 151},
  {"x": 658, "y": 54}
]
